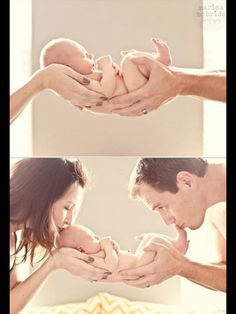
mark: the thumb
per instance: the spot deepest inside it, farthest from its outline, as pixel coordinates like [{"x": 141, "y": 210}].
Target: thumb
[
  {"x": 143, "y": 61},
  {"x": 151, "y": 247},
  {"x": 78, "y": 77}
]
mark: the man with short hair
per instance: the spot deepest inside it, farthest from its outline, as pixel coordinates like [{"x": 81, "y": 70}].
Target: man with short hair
[{"x": 186, "y": 192}]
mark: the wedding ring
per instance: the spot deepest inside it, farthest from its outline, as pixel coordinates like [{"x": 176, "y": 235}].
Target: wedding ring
[
  {"x": 147, "y": 285},
  {"x": 93, "y": 280},
  {"x": 144, "y": 111}
]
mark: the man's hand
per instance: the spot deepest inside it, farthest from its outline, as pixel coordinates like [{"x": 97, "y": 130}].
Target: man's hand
[
  {"x": 166, "y": 264},
  {"x": 161, "y": 87},
  {"x": 168, "y": 261}
]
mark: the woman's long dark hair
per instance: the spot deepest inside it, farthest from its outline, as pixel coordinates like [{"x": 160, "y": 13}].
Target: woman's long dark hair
[{"x": 35, "y": 185}]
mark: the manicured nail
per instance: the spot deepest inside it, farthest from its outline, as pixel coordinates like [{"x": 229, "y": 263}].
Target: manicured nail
[
  {"x": 77, "y": 107},
  {"x": 107, "y": 273},
  {"x": 90, "y": 259},
  {"x": 85, "y": 81},
  {"x": 99, "y": 103}
]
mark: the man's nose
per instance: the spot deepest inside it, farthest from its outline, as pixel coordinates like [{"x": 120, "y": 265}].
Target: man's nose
[{"x": 168, "y": 218}]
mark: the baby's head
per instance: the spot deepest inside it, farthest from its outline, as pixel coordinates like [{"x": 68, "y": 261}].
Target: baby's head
[
  {"x": 80, "y": 238},
  {"x": 67, "y": 52}
]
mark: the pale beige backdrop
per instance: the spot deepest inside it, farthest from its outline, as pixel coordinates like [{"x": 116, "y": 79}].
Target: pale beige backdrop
[
  {"x": 108, "y": 210},
  {"x": 106, "y": 27}
]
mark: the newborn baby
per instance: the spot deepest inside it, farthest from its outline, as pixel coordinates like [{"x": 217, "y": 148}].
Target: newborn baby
[
  {"x": 105, "y": 76},
  {"x": 109, "y": 256}
]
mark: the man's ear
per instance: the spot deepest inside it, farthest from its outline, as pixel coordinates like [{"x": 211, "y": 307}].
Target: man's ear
[{"x": 184, "y": 179}]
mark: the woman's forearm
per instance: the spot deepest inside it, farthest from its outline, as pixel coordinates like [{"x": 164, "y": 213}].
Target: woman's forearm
[
  {"x": 22, "y": 96},
  {"x": 23, "y": 292},
  {"x": 212, "y": 276},
  {"x": 202, "y": 83}
]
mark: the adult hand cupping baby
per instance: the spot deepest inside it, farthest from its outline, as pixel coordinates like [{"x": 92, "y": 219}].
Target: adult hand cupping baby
[
  {"x": 77, "y": 263},
  {"x": 168, "y": 262},
  {"x": 70, "y": 85}
]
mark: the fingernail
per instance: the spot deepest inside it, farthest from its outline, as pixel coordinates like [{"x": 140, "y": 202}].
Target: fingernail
[
  {"x": 104, "y": 277},
  {"x": 77, "y": 107},
  {"x": 99, "y": 103},
  {"x": 85, "y": 81},
  {"x": 90, "y": 259},
  {"x": 103, "y": 98},
  {"x": 107, "y": 273}
]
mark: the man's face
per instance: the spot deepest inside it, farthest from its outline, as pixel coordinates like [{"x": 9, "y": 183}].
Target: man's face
[{"x": 184, "y": 208}]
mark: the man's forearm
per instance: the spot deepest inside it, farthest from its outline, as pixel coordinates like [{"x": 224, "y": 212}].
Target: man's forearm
[
  {"x": 212, "y": 276},
  {"x": 202, "y": 83}
]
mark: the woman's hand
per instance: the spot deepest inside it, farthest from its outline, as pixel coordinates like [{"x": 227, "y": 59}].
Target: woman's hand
[
  {"x": 78, "y": 264},
  {"x": 70, "y": 85}
]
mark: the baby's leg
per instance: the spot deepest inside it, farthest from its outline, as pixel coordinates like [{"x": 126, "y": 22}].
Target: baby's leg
[{"x": 132, "y": 75}]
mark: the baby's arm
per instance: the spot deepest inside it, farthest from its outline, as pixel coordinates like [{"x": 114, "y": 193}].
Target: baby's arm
[
  {"x": 111, "y": 257},
  {"x": 108, "y": 81},
  {"x": 107, "y": 84}
]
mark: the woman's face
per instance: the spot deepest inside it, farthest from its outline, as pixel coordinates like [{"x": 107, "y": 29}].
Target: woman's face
[{"x": 66, "y": 208}]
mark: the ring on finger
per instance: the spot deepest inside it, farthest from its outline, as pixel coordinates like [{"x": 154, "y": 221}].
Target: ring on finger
[
  {"x": 144, "y": 111},
  {"x": 93, "y": 280},
  {"x": 147, "y": 285}
]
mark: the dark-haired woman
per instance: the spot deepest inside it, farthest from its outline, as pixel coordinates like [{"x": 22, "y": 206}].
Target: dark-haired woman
[{"x": 44, "y": 198}]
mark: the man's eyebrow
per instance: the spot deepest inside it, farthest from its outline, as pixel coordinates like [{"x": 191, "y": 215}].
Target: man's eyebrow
[{"x": 156, "y": 205}]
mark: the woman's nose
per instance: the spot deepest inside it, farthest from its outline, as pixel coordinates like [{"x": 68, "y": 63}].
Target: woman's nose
[{"x": 69, "y": 217}]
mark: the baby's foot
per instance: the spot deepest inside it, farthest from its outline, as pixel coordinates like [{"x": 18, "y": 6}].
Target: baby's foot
[{"x": 163, "y": 52}]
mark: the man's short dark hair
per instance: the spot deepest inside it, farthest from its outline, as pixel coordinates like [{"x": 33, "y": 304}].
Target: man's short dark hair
[{"x": 161, "y": 173}]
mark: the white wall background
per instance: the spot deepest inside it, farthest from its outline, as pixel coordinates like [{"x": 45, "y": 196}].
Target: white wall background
[
  {"x": 107, "y": 210},
  {"x": 108, "y": 26},
  {"x": 20, "y": 71}
]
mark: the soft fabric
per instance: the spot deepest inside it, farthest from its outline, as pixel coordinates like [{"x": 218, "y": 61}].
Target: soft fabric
[
  {"x": 92, "y": 305},
  {"x": 111, "y": 304},
  {"x": 105, "y": 303}
]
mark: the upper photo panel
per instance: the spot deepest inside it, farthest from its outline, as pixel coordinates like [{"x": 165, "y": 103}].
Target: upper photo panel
[{"x": 108, "y": 78}]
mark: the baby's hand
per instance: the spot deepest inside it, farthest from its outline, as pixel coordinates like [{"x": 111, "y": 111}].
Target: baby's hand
[
  {"x": 115, "y": 246},
  {"x": 103, "y": 61},
  {"x": 117, "y": 69},
  {"x": 124, "y": 52}
]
